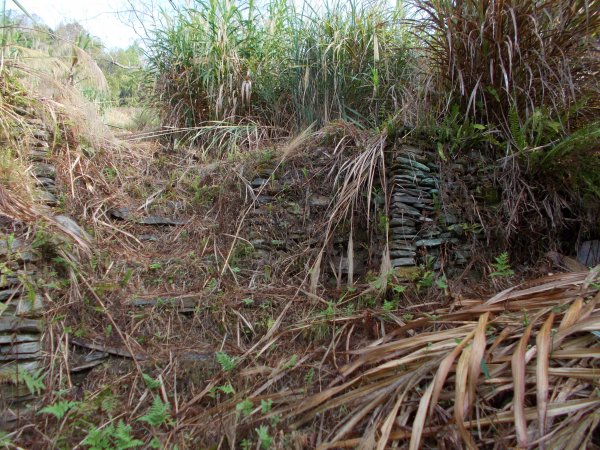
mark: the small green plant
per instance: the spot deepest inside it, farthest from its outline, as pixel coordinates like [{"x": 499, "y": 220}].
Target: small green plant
[
  {"x": 226, "y": 362},
  {"x": 59, "y": 409},
  {"x": 265, "y": 406},
  {"x": 426, "y": 280},
  {"x": 5, "y": 440},
  {"x": 225, "y": 388},
  {"x": 502, "y": 266},
  {"x": 158, "y": 413},
  {"x": 441, "y": 282},
  {"x": 390, "y": 305},
  {"x": 264, "y": 437},
  {"x": 150, "y": 382},
  {"x": 34, "y": 380},
  {"x": 248, "y": 301},
  {"x": 328, "y": 312},
  {"x": 245, "y": 407},
  {"x": 291, "y": 362},
  {"x": 310, "y": 375},
  {"x": 111, "y": 438}
]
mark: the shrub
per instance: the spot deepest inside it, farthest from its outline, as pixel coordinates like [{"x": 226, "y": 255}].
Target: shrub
[{"x": 521, "y": 55}]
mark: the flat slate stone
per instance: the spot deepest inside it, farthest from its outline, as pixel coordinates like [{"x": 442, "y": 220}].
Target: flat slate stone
[
  {"x": 413, "y": 164},
  {"x": 402, "y": 221},
  {"x": 429, "y": 182},
  {"x": 121, "y": 213},
  {"x": 401, "y": 208},
  {"x": 399, "y": 262},
  {"x": 23, "y": 347},
  {"x": 429, "y": 242},
  {"x": 403, "y": 231},
  {"x": 258, "y": 182},
  {"x": 126, "y": 214},
  {"x": 46, "y": 183},
  {"x": 47, "y": 198},
  {"x": 589, "y": 253},
  {"x": 44, "y": 170},
  {"x": 158, "y": 220},
  {"x": 402, "y": 253},
  {"x": 148, "y": 238},
  {"x": 15, "y": 244},
  {"x": 410, "y": 199},
  {"x": 319, "y": 200},
  {"x": 13, "y": 324},
  {"x": 9, "y": 293},
  {"x": 18, "y": 338},
  {"x": 73, "y": 227}
]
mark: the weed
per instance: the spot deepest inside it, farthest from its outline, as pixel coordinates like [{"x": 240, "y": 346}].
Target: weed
[
  {"x": 33, "y": 380},
  {"x": 111, "y": 437},
  {"x": 158, "y": 413},
  {"x": 265, "y": 406},
  {"x": 502, "y": 266},
  {"x": 150, "y": 382},
  {"x": 59, "y": 409},
  {"x": 245, "y": 407},
  {"x": 264, "y": 438},
  {"x": 226, "y": 362}
]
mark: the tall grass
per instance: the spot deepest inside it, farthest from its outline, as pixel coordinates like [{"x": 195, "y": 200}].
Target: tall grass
[
  {"x": 280, "y": 64},
  {"x": 517, "y": 56}
]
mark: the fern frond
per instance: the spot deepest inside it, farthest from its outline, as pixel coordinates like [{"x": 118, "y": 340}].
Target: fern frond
[{"x": 157, "y": 414}]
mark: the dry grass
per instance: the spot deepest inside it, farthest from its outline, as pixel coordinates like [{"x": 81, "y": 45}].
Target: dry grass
[{"x": 517, "y": 369}]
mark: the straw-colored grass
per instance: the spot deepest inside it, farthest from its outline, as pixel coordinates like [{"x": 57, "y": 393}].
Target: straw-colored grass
[{"x": 519, "y": 369}]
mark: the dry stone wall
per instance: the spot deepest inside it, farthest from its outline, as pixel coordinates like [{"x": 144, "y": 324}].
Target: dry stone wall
[
  {"x": 21, "y": 304},
  {"x": 423, "y": 229}
]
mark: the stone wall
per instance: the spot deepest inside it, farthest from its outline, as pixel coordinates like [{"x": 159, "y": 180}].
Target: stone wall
[
  {"x": 21, "y": 303},
  {"x": 423, "y": 229}
]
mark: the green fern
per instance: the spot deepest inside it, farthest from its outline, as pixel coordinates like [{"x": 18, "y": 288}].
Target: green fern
[
  {"x": 158, "y": 414},
  {"x": 502, "y": 266},
  {"x": 264, "y": 438},
  {"x": 59, "y": 409},
  {"x": 123, "y": 438},
  {"x": 226, "y": 362},
  {"x": 245, "y": 407},
  {"x": 34, "y": 381},
  {"x": 516, "y": 131},
  {"x": 111, "y": 438},
  {"x": 151, "y": 383},
  {"x": 5, "y": 440}
]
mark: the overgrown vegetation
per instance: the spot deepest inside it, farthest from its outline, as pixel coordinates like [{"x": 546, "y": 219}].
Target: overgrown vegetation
[
  {"x": 281, "y": 64},
  {"x": 198, "y": 275}
]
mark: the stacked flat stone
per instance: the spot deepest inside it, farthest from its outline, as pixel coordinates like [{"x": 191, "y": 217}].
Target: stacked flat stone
[
  {"x": 21, "y": 308},
  {"x": 40, "y": 154},
  {"x": 418, "y": 226}
]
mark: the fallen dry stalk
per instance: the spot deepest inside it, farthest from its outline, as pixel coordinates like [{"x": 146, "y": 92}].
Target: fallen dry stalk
[{"x": 500, "y": 374}]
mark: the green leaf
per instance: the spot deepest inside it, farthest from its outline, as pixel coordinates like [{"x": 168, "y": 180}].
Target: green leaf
[
  {"x": 151, "y": 383},
  {"x": 245, "y": 407},
  {"x": 123, "y": 438},
  {"x": 266, "y": 405},
  {"x": 264, "y": 438},
  {"x": 226, "y": 362},
  {"x": 158, "y": 414},
  {"x": 58, "y": 409},
  {"x": 292, "y": 362}
]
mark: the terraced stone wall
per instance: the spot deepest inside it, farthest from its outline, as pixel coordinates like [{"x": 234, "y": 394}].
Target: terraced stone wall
[
  {"x": 426, "y": 226},
  {"x": 21, "y": 303}
]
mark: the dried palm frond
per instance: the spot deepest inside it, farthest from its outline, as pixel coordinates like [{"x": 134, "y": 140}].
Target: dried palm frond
[{"x": 518, "y": 369}]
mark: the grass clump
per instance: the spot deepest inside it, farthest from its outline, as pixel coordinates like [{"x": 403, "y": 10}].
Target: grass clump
[{"x": 279, "y": 64}]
